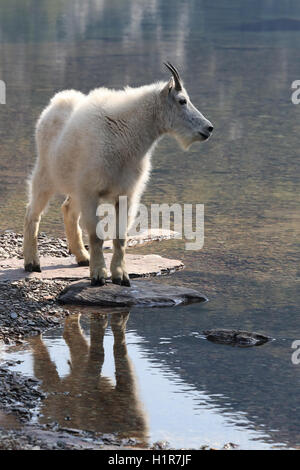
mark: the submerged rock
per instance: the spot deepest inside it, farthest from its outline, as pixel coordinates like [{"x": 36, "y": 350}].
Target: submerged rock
[
  {"x": 236, "y": 337},
  {"x": 140, "y": 294}
]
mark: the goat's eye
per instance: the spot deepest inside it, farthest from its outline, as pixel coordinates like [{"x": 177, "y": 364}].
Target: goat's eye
[{"x": 182, "y": 101}]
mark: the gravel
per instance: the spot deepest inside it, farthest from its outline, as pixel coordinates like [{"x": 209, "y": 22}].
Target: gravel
[
  {"x": 19, "y": 394},
  {"x": 11, "y": 245},
  {"x": 28, "y": 307}
]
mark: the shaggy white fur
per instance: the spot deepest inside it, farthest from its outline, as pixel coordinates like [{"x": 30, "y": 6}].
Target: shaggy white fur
[{"x": 94, "y": 148}]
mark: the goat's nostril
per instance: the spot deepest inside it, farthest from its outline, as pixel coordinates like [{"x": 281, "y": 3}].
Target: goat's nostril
[{"x": 210, "y": 128}]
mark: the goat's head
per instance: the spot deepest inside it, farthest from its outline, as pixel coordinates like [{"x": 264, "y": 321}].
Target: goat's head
[{"x": 180, "y": 116}]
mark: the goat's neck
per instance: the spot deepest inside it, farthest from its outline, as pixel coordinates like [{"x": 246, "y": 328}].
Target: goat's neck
[{"x": 140, "y": 124}]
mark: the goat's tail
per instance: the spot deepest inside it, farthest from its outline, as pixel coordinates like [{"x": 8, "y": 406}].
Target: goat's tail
[
  {"x": 54, "y": 117},
  {"x": 66, "y": 100}
]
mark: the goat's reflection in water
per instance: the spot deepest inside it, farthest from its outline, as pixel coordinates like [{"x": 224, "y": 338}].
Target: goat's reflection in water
[{"x": 87, "y": 399}]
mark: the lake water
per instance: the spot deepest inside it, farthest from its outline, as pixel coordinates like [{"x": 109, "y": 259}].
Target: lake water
[{"x": 238, "y": 60}]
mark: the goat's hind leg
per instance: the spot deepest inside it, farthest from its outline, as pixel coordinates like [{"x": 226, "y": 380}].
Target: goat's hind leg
[
  {"x": 71, "y": 213},
  {"x": 39, "y": 198}
]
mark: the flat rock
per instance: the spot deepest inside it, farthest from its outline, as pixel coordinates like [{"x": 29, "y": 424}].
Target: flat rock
[
  {"x": 142, "y": 293},
  {"x": 146, "y": 236},
  {"x": 236, "y": 337},
  {"x": 12, "y": 269}
]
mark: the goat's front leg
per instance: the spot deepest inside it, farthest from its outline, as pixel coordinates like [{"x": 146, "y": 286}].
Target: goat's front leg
[
  {"x": 118, "y": 269},
  {"x": 98, "y": 269},
  {"x": 97, "y": 263}
]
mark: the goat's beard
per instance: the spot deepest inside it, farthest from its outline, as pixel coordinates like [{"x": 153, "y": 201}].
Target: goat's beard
[{"x": 185, "y": 141}]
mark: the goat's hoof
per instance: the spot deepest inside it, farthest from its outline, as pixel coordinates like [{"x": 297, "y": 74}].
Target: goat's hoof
[
  {"x": 125, "y": 282},
  {"x": 121, "y": 282},
  {"x": 84, "y": 263},
  {"x": 30, "y": 267},
  {"x": 99, "y": 281}
]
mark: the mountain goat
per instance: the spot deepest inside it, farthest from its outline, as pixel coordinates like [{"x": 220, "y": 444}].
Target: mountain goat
[{"x": 94, "y": 148}]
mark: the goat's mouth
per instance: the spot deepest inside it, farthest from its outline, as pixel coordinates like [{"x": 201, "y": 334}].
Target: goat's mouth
[{"x": 204, "y": 136}]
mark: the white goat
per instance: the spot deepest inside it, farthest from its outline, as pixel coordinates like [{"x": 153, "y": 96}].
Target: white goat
[{"x": 94, "y": 148}]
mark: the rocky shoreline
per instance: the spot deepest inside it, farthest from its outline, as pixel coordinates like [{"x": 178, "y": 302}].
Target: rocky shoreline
[{"x": 29, "y": 307}]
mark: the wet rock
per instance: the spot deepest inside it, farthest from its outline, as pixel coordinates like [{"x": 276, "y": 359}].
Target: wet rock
[
  {"x": 35, "y": 437},
  {"x": 230, "y": 446},
  {"x": 236, "y": 337},
  {"x": 141, "y": 294},
  {"x": 160, "y": 445}
]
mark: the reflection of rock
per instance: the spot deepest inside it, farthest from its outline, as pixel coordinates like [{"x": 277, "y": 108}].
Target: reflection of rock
[
  {"x": 236, "y": 337},
  {"x": 140, "y": 294}
]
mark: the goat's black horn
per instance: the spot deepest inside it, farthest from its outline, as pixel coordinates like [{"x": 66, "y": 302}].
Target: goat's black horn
[{"x": 174, "y": 71}]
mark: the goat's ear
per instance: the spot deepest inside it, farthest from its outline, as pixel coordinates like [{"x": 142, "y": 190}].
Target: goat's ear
[{"x": 168, "y": 87}]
